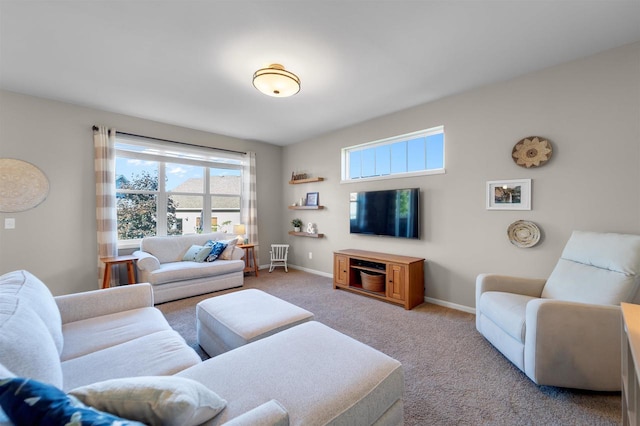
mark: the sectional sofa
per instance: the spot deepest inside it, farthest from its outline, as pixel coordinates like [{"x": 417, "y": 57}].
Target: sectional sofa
[{"x": 309, "y": 374}]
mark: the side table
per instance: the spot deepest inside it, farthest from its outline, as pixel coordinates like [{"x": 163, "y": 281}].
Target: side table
[
  {"x": 249, "y": 258},
  {"x": 109, "y": 262}
]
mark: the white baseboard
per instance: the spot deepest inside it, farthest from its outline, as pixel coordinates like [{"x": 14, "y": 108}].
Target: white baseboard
[
  {"x": 290, "y": 266},
  {"x": 311, "y": 271},
  {"x": 446, "y": 304},
  {"x": 439, "y": 302}
]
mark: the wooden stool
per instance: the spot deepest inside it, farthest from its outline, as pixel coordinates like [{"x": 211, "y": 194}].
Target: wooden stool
[{"x": 111, "y": 261}]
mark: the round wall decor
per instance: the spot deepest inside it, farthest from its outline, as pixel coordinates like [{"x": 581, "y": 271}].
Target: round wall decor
[
  {"x": 523, "y": 234},
  {"x": 22, "y": 185},
  {"x": 533, "y": 151}
]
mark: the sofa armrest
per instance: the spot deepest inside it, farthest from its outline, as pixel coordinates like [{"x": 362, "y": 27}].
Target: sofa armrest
[
  {"x": 271, "y": 413},
  {"x": 517, "y": 285},
  {"x": 575, "y": 345},
  {"x": 146, "y": 261},
  {"x": 90, "y": 304}
]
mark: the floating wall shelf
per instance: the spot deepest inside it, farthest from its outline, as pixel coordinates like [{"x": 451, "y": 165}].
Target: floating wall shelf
[
  {"x": 305, "y": 234},
  {"x": 306, "y": 207},
  {"x": 308, "y": 180}
]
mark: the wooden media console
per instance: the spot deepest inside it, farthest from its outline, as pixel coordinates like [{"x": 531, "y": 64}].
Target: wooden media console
[{"x": 403, "y": 275}]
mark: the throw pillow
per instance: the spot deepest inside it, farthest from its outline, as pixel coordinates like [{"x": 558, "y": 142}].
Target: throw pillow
[
  {"x": 29, "y": 402},
  {"x": 196, "y": 253},
  {"x": 231, "y": 244},
  {"x": 154, "y": 400},
  {"x": 218, "y": 248}
]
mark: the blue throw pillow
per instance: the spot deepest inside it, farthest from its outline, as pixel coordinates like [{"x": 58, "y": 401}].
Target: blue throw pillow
[
  {"x": 29, "y": 402},
  {"x": 216, "y": 251}
]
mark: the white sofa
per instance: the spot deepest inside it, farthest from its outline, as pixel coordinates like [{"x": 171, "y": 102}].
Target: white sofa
[
  {"x": 160, "y": 264},
  {"x": 309, "y": 374}
]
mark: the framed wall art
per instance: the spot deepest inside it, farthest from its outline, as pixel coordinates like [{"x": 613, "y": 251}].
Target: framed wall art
[
  {"x": 509, "y": 194},
  {"x": 312, "y": 199}
]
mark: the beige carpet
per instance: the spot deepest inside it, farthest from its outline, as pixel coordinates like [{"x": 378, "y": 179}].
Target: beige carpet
[{"x": 452, "y": 375}]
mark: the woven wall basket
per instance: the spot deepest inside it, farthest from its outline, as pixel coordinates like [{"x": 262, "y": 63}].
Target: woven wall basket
[{"x": 22, "y": 185}]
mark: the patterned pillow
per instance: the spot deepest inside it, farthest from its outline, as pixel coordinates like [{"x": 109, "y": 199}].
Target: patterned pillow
[
  {"x": 218, "y": 248},
  {"x": 29, "y": 402},
  {"x": 197, "y": 253}
]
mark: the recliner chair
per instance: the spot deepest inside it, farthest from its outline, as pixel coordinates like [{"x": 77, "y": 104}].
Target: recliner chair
[{"x": 565, "y": 331}]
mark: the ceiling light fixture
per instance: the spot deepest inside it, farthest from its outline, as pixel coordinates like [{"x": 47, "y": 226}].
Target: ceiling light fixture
[{"x": 276, "y": 81}]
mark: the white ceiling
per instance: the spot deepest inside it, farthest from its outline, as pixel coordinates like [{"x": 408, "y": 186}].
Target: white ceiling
[{"x": 190, "y": 63}]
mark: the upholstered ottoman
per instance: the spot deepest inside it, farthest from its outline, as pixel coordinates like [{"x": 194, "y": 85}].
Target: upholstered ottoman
[{"x": 235, "y": 319}]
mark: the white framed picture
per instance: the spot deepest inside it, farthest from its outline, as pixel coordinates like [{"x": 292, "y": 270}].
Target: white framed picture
[{"x": 509, "y": 194}]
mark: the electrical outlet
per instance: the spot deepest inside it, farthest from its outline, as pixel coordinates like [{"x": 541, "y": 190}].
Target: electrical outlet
[
  {"x": 310, "y": 255},
  {"x": 9, "y": 223}
]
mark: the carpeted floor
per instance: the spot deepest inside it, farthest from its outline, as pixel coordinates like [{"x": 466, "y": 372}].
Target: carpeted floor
[{"x": 452, "y": 375}]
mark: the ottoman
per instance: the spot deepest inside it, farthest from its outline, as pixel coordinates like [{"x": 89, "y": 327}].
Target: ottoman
[{"x": 235, "y": 319}]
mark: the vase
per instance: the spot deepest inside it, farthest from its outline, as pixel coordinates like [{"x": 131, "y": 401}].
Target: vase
[{"x": 296, "y": 229}]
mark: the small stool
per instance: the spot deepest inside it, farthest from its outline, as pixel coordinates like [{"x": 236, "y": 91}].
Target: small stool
[{"x": 235, "y": 319}]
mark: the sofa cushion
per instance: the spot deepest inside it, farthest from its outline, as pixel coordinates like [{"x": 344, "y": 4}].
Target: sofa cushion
[
  {"x": 26, "y": 346},
  {"x": 36, "y": 295},
  {"x": 507, "y": 311},
  {"x": 156, "y": 354},
  {"x": 29, "y": 402},
  {"x": 4, "y": 372},
  {"x": 291, "y": 367},
  {"x": 596, "y": 268},
  {"x": 94, "y": 334},
  {"x": 154, "y": 400},
  {"x": 180, "y": 271}
]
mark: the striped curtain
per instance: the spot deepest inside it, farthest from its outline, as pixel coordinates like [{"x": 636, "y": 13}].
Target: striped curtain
[
  {"x": 105, "y": 168},
  {"x": 249, "y": 212}
]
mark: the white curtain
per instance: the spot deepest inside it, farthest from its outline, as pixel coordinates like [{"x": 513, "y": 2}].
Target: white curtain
[
  {"x": 249, "y": 211},
  {"x": 105, "y": 170}
]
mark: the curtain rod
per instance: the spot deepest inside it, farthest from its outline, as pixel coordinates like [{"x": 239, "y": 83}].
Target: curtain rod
[{"x": 95, "y": 128}]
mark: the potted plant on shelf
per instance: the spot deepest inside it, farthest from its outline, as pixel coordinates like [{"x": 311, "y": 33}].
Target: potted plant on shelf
[{"x": 297, "y": 223}]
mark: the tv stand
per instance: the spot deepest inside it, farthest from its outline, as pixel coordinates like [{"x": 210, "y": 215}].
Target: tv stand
[{"x": 403, "y": 275}]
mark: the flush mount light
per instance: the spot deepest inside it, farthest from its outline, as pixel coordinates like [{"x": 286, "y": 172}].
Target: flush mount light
[{"x": 276, "y": 81}]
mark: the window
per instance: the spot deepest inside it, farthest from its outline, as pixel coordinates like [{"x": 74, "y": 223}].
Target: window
[
  {"x": 164, "y": 189},
  {"x": 416, "y": 153}
]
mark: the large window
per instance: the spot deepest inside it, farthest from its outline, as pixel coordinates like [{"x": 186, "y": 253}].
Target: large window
[
  {"x": 166, "y": 189},
  {"x": 416, "y": 153}
]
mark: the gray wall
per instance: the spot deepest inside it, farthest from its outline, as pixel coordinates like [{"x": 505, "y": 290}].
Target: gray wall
[
  {"x": 589, "y": 109},
  {"x": 57, "y": 240}
]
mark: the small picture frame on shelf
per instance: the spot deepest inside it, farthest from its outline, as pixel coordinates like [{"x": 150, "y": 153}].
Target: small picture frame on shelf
[
  {"x": 312, "y": 199},
  {"x": 509, "y": 194}
]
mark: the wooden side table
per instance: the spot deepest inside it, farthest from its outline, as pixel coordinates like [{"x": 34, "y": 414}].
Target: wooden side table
[
  {"x": 111, "y": 261},
  {"x": 249, "y": 258}
]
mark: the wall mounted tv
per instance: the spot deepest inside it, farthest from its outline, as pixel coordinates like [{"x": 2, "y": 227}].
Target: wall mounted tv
[{"x": 393, "y": 213}]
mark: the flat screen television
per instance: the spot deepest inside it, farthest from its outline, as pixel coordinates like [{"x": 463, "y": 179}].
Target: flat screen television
[{"x": 393, "y": 213}]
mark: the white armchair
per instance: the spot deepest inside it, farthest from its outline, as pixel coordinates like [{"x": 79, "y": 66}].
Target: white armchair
[{"x": 566, "y": 330}]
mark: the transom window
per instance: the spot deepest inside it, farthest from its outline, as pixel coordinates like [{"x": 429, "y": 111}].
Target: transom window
[
  {"x": 174, "y": 190},
  {"x": 416, "y": 153}
]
